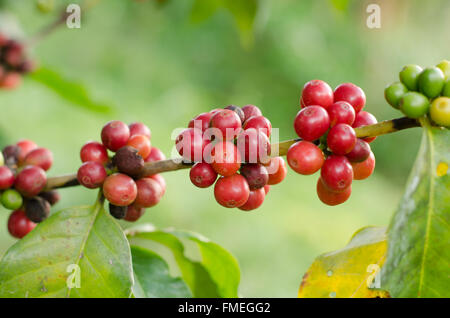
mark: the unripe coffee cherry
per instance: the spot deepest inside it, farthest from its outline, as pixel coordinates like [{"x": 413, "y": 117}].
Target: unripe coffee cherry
[
  {"x": 341, "y": 113},
  {"x": 2, "y": 160},
  {"x": 51, "y": 196},
  {"x": 19, "y": 225},
  {"x": 11, "y": 199},
  {"x": 255, "y": 174},
  {"x": 337, "y": 173},
  {"x": 409, "y": 76},
  {"x": 259, "y": 123},
  {"x": 6, "y": 178},
  {"x": 341, "y": 139},
  {"x": 311, "y": 123},
  {"x": 440, "y": 111},
  {"x": 120, "y": 189},
  {"x": 155, "y": 155},
  {"x": 94, "y": 151},
  {"x": 117, "y": 212},
  {"x": 40, "y": 157},
  {"x": 360, "y": 152},
  {"x": 11, "y": 154},
  {"x": 149, "y": 193},
  {"x": 317, "y": 92},
  {"x": 414, "y": 104},
  {"x": 363, "y": 170},
  {"x": 231, "y": 191},
  {"x": 364, "y": 118},
  {"x": 394, "y": 93},
  {"x": 431, "y": 82},
  {"x": 30, "y": 181},
  {"x": 202, "y": 175},
  {"x": 115, "y": 135},
  {"x": 332, "y": 198},
  {"x": 228, "y": 122},
  {"x": 37, "y": 209},
  {"x": 352, "y": 94},
  {"x": 254, "y": 201},
  {"x": 141, "y": 143},
  {"x": 201, "y": 121},
  {"x": 133, "y": 213},
  {"x": 277, "y": 170},
  {"x": 305, "y": 158},
  {"x": 91, "y": 174},
  {"x": 250, "y": 111},
  {"x": 139, "y": 129},
  {"x": 225, "y": 158},
  {"x": 238, "y": 111},
  {"x": 25, "y": 147},
  {"x": 128, "y": 161}
]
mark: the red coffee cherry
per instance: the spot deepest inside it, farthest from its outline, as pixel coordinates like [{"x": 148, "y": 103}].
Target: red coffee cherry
[
  {"x": 238, "y": 111},
  {"x": 250, "y": 111},
  {"x": 202, "y": 175},
  {"x": 140, "y": 129},
  {"x": 141, "y": 143},
  {"x": 115, "y": 135},
  {"x": 30, "y": 181},
  {"x": 254, "y": 201},
  {"x": 266, "y": 188},
  {"x": 201, "y": 121},
  {"x": 91, "y": 174},
  {"x": 341, "y": 113},
  {"x": 311, "y": 123},
  {"x": 255, "y": 174},
  {"x": 120, "y": 189},
  {"x": 228, "y": 122},
  {"x": 225, "y": 158},
  {"x": 337, "y": 173},
  {"x": 231, "y": 191},
  {"x": 363, "y": 170},
  {"x": 332, "y": 198},
  {"x": 277, "y": 170},
  {"x": 19, "y": 225},
  {"x": 40, "y": 157},
  {"x": 317, "y": 92},
  {"x": 94, "y": 151},
  {"x": 341, "y": 139},
  {"x": 360, "y": 152},
  {"x": 10, "y": 80},
  {"x": 149, "y": 193},
  {"x": 6, "y": 178},
  {"x": 160, "y": 179},
  {"x": 364, "y": 118},
  {"x": 352, "y": 94},
  {"x": 25, "y": 147},
  {"x": 253, "y": 145},
  {"x": 190, "y": 144},
  {"x": 133, "y": 213},
  {"x": 215, "y": 110},
  {"x": 155, "y": 155},
  {"x": 259, "y": 123},
  {"x": 305, "y": 158}
]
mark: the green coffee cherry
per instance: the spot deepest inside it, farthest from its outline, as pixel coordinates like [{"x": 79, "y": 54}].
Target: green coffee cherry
[
  {"x": 440, "y": 111},
  {"x": 445, "y": 68},
  {"x": 446, "y": 89},
  {"x": 394, "y": 92},
  {"x": 431, "y": 82},
  {"x": 2, "y": 160},
  {"x": 409, "y": 76},
  {"x": 414, "y": 105},
  {"x": 11, "y": 199}
]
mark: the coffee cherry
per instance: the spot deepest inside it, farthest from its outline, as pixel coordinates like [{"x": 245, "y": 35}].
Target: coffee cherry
[
  {"x": 255, "y": 174},
  {"x": 341, "y": 139},
  {"x": 332, "y": 198},
  {"x": 94, "y": 151},
  {"x": 19, "y": 225},
  {"x": 10, "y": 80},
  {"x": 341, "y": 113},
  {"x": 128, "y": 161},
  {"x": 6, "y": 178},
  {"x": 266, "y": 188},
  {"x": 431, "y": 82},
  {"x": 277, "y": 170},
  {"x": 414, "y": 105},
  {"x": 352, "y": 94},
  {"x": 139, "y": 129},
  {"x": 409, "y": 76},
  {"x": 51, "y": 196},
  {"x": 440, "y": 111},
  {"x": 305, "y": 157},
  {"x": 250, "y": 111},
  {"x": 238, "y": 111},
  {"x": 202, "y": 175},
  {"x": 360, "y": 152},
  {"x": 40, "y": 157},
  {"x": 115, "y": 135},
  {"x": 259, "y": 123},
  {"x": 445, "y": 68},
  {"x": 37, "y": 209},
  {"x": 225, "y": 158},
  {"x": 190, "y": 144},
  {"x": 228, "y": 122},
  {"x": 160, "y": 179},
  {"x": 149, "y": 193},
  {"x": 201, "y": 121},
  {"x": 317, "y": 92},
  {"x": 363, "y": 170},
  {"x": 25, "y": 147},
  {"x": 120, "y": 189},
  {"x": 446, "y": 89},
  {"x": 337, "y": 173},
  {"x": 394, "y": 92},
  {"x": 215, "y": 110},
  {"x": 30, "y": 181},
  {"x": 91, "y": 174},
  {"x": 311, "y": 123},
  {"x": 254, "y": 201},
  {"x": 155, "y": 155},
  {"x": 117, "y": 212},
  {"x": 253, "y": 145},
  {"x": 11, "y": 199},
  {"x": 364, "y": 118},
  {"x": 231, "y": 191},
  {"x": 141, "y": 143},
  {"x": 11, "y": 154},
  {"x": 133, "y": 213}
]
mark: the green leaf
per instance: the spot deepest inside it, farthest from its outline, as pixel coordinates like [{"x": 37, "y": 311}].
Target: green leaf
[
  {"x": 216, "y": 275},
  {"x": 151, "y": 276},
  {"x": 85, "y": 241},
  {"x": 418, "y": 255},
  {"x": 72, "y": 91}
]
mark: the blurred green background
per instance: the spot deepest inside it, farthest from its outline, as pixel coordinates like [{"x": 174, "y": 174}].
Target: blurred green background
[{"x": 162, "y": 62}]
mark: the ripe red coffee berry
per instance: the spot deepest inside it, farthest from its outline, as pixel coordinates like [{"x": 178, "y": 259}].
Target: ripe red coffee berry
[
  {"x": 202, "y": 175},
  {"x": 225, "y": 158},
  {"x": 94, "y": 151},
  {"x": 317, "y": 92},
  {"x": 341, "y": 113},
  {"x": 141, "y": 143},
  {"x": 201, "y": 121},
  {"x": 155, "y": 155},
  {"x": 91, "y": 174},
  {"x": 6, "y": 178},
  {"x": 149, "y": 193},
  {"x": 259, "y": 123},
  {"x": 228, "y": 122},
  {"x": 250, "y": 111},
  {"x": 189, "y": 144},
  {"x": 160, "y": 179},
  {"x": 364, "y": 118},
  {"x": 238, "y": 111},
  {"x": 337, "y": 173},
  {"x": 341, "y": 139},
  {"x": 115, "y": 135},
  {"x": 255, "y": 174},
  {"x": 25, "y": 147},
  {"x": 352, "y": 94},
  {"x": 363, "y": 170},
  {"x": 360, "y": 152},
  {"x": 30, "y": 181},
  {"x": 266, "y": 188},
  {"x": 133, "y": 213},
  {"x": 332, "y": 198},
  {"x": 10, "y": 80},
  {"x": 120, "y": 189},
  {"x": 40, "y": 157},
  {"x": 311, "y": 123},
  {"x": 231, "y": 191},
  {"x": 305, "y": 158},
  {"x": 277, "y": 170},
  {"x": 255, "y": 200},
  {"x": 139, "y": 129},
  {"x": 19, "y": 225},
  {"x": 253, "y": 145}
]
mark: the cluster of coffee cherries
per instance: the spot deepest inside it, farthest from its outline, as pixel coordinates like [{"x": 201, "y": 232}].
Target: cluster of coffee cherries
[
  {"x": 422, "y": 91},
  {"x": 23, "y": 178},
  {"x": 230, "y": 148},
  {"x": 127, "y": 191},
  {"x": 326, "y": 125},
  {"x": 13, "y": 62}
]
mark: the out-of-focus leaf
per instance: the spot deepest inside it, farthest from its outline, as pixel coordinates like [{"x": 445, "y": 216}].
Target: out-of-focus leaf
[
  {"x": 341, "y": 5},
  {"x": 72, "y": 91},
  {"x": 350, "y": 271},
  {"x": 204, "y": 9},
  {"x": 418, "y": 257}
]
